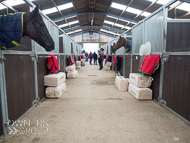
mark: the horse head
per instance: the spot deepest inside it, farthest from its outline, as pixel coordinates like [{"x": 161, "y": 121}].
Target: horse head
[{"x": 35, "y": 28}]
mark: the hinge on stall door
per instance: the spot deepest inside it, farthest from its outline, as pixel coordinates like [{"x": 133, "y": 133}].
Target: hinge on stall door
[
  {"x": 2, "y": 59},
  {"x": 165, "y": 57},
  {"x": 34, "y": 57}
]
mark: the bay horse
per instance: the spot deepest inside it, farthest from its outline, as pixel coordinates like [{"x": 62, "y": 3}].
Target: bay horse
[
  {"x": 120, "y": 43},
  {"x": 29, "y": 24}
]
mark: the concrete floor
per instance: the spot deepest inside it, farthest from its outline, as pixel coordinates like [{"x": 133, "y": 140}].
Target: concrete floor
[{"x": 93, "y": 110}]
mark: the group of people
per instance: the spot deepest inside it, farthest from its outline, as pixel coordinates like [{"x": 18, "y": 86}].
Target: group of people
[{"x": 99, "y": 57}]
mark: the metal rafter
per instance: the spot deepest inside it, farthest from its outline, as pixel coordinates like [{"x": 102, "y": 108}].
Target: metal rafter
[
  {"x": 7, "y": 5},
  {"x": 94, "y": 11},
  {"x": 107, "y": 11},
  {"x": 174, "y": 5},
  {"x": 146, "y": 9},
  {"x": 102, "y": 26},
  {"x": 123, "y": 11},
  {"x": 60, "y": 12}
]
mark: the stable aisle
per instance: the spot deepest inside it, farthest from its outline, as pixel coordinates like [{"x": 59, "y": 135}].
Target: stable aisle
[{"x": 93, "y": 110}]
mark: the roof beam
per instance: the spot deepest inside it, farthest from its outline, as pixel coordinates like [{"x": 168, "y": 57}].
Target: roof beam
[
  {"x": 60, "y": 12},
  {"x": 94, "y": 11},
  {"x": 7, "y": 5},
  {"x": 102, "y": 26},
  {"x": 94, "y": 31},
  {"x": 174, "y": 5},
  {"x": 146, "y": 9}
]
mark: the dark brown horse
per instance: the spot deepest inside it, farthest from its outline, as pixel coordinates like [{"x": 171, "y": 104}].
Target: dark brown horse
[
  {"x": 33, "y": 26},
  {"x": 120, "y": 43}
]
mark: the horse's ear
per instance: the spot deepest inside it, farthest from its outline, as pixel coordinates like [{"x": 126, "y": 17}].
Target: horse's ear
[
  {"x": 120, "y": 37},
  {"x": 36, "y": 10}
]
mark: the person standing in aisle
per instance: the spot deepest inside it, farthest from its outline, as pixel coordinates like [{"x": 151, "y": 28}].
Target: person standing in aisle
[
  {"x": 100, "y": 59},
  {"x": 86, "y": 55},
  {"x": 95, "y": 58},
  {"x": 90, "y": 57}
]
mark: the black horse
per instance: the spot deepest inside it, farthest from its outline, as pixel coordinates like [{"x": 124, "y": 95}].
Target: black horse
[{"x": 33, "y": 26}]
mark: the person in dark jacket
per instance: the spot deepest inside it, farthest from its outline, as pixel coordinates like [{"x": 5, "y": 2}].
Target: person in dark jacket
[
  {"x": 95, "y": 58},
  {"x": 90, "y": 57},
  {"x": 100, "y": 59}
]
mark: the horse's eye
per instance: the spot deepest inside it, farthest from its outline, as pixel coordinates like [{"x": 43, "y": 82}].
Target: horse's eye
[{"x": 41, "y": 24}]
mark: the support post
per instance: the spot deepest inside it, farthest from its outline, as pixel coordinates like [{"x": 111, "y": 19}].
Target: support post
[{"x": 99, "y": 41}]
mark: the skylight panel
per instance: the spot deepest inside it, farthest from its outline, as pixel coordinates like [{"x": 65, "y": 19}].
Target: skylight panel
[
  {"x": 108, "y": 22},
  {"x": 146, "y": 14},
  {"x": 123, "y": 20},
  {"x": 103, "y": 30},
  {"x": 184, "y": 6},
  {"x": 50, "y": 10},
  {"x": 118, "y": 6},
  {"x": 112, "y": 17},
  {"x": 111, "y": 32},
  {"x": 15, "y": 2},
  {"x": 163, "y": 2},
  {"x": 71, "y": 17},
  {"x": 70, "y": 32},
  {"x": 73, "y": 22},
  {"x": 78, "y": 30},
  {"x": 133, "y": 22},
  {"x": 127, "y": 27},
  {"x": 65, "y": 6},
  {"x": 133, "y": 10},
  {"x": 63, "y": 25},
  {"x": 119, "y": 25},
  {"x": 2, "y": 6}
]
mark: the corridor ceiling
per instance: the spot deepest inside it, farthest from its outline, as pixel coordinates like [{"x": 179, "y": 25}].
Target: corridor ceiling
[{"x": 111, "y": 17}]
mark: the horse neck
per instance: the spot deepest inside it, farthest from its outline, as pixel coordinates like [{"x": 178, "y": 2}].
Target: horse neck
[{"x": 25, "y": 19}]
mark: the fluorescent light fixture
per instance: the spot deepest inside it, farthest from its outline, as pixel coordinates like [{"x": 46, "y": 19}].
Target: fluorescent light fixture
[
  {"x": 133, "y": 10},
  {"x": 65, "y": 6},
  {"x": 63, "y": 25},
  {"x": 118, "y": 25},
  {"x": 50, "y": 10},
  {"x": 108, "y": 22},
  {"x": 73, "y": 22},
  {"x": 145, "y": 14},
  {"x": 118, "y": 6},
  {"x": 184, "y": 6},
  {"x": 112, "y": 17}
]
